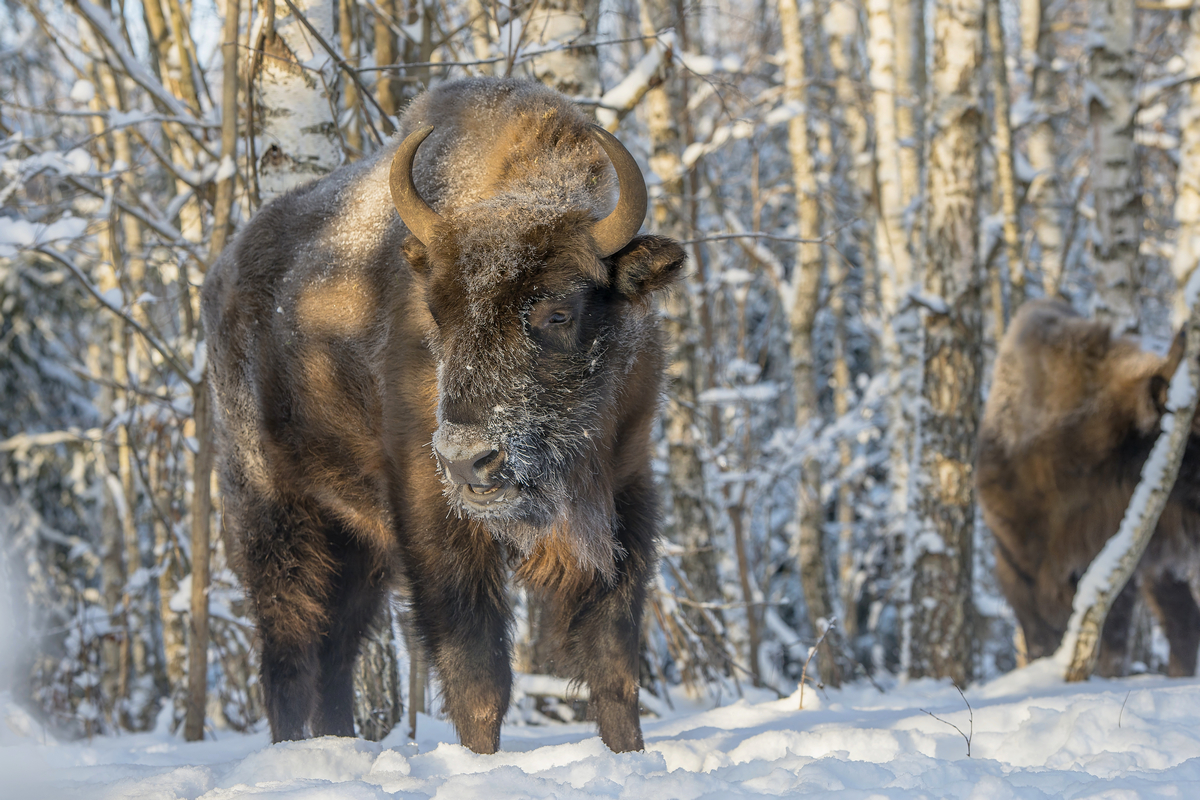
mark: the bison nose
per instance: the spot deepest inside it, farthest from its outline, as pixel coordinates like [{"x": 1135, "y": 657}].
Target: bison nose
[{"x": 470, "y": 469}]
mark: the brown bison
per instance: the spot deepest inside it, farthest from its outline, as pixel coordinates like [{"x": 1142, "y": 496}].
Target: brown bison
[
  {"x": 439, "y": 394},
  {"x": 1072, "y": 415}
]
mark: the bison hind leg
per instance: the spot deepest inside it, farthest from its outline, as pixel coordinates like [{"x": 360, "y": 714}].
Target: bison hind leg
[
  {"x": 1172, "y": 602},
  {"x": 358, "y": 588}
]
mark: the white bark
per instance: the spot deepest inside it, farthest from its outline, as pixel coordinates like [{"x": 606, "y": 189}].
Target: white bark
[
  {"x": 895, "y": 265},
  {"x": 295, "y": 105},
  {"x": 1038, "y": 47},
  {"x": 1112, "y": 568},
  {"x": 1111, "y": 107},
  {"x": 806, "y": 282},
  {"x": 575, "y": 71},
  {"x": 938, "y": 628},
  {"x": 1187, "y": 182}
]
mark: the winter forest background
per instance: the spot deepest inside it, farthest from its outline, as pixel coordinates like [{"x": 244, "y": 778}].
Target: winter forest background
[{"x": 867, "y": 190}]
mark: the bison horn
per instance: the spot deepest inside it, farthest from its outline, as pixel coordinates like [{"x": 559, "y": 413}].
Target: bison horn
[
  {"x": 414, "y": 211},
  {"x": 618, "y": 228}
]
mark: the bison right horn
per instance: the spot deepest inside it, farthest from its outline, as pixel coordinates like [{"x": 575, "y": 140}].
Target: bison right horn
[
  {"x": 618, "y": 228},
  {"x": 414, "y": 211}
]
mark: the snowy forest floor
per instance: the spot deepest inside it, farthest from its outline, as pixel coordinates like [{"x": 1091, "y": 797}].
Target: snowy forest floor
[{"x": 1033, "y": 737}]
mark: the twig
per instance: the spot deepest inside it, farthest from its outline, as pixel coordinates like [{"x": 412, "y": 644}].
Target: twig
[
  {"x": 970, "y": 716},
  {"x": 812, "y": 652},
  {"x": 1123, "y": 702},
  {"x": 168, "y": 356}
]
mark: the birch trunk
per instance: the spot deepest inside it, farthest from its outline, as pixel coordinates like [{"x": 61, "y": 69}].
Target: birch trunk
[
  {"x": 938, "y": 639},
  {"x": 1115, "y": 185},
  {"x": 895, "y": 267},
  {"x": 909, "y": 20},
  {"x": 806, "y": 284},
  {"x": 575, "y": 71},
  {"x": 1112, "y": 568},
  {"x": 1004, "y": 173},
  {"x": 1044, "y": 193},
  {"x": 1187, "y": 182},
  {"x": 689, "y": 523},
  {"x": 294, "y": 100}
]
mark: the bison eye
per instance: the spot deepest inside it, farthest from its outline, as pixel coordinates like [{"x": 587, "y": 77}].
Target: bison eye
[{"x": 560, "y": 317}]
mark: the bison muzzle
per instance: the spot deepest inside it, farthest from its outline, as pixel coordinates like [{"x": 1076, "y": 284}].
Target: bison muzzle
[
  {"x": 1072, "y": 415},
  {"x": 433, "y": 368}
]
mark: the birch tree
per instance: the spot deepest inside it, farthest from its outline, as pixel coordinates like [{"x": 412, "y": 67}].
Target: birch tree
[
  {"x": 1187, "y": 182},
  {"x": 806, "y": 284},
  {"x": 295, "y": 96},
  {"x": 1111, "y": 107},
  {"x": 1044, "y": 193},
  {"x": 940, "y": 627}
]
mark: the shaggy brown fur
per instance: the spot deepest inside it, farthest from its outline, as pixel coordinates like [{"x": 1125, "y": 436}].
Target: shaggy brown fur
[
  {"x": 1072, "y": 415},
  {"x": 346, "y": 354}
]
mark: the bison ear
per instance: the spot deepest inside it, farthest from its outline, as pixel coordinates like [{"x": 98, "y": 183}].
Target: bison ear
[
  {"x": 647, "y": 264},
  {"x": 415, "y": 253}
]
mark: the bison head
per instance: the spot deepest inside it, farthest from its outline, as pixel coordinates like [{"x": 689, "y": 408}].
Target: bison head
[{"x": 544, "y": 337}]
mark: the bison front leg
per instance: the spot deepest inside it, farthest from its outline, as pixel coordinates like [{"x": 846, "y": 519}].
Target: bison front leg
[
  {"x": 601, "y": 644},
  {"x": 461, "y": 613}
]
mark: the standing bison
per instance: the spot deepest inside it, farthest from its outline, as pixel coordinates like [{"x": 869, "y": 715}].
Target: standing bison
[
  {"x": 1072, "y": 415},
  {"x": 437, "y": 394}
]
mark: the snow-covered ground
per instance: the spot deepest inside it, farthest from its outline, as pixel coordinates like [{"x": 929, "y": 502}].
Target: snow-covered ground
[{"x": 1033, "y": 737}]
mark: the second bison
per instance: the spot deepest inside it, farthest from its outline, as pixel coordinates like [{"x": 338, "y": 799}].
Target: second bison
[
  {"x": 440, "y": 362},
  {"x": 1072, "y": 416}
]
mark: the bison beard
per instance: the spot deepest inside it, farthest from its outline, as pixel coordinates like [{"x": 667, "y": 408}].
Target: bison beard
[
  {"x": 432, "y": 396},
  {"x": 1072, "y": 415}
]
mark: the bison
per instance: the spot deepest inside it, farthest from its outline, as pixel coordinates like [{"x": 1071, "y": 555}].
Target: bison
[
  {"x": 435, "y": 368},
  {"x": 1072, "y": 415}
]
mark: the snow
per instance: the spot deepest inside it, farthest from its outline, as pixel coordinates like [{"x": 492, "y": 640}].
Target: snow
[{"x": 1031, "y": 736}]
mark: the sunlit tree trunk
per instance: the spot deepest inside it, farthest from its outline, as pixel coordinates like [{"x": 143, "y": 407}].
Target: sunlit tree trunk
[
  {"x": 1045, "y": 193},
  {"x": 939, "y": 630},
  {"x": 574, "y": 71},
  {"x": 1187, "y": 182},
  {"x": 1115, "y": 184},
  {"x": 295, "y": 112},
  {"x": 806, "y": 284},
  {"x": 481, "y": 35},
  {"x": 348, "y": 29},
  {"x": 387, "y": 85},
  {"x": 1004, "y": 173}
]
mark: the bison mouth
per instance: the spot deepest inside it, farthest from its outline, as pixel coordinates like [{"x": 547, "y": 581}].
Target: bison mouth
[{"x": 488, "y": 497}]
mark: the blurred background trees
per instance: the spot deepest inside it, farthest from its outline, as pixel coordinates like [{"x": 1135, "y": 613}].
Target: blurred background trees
[{"x": 863, "y": 206}]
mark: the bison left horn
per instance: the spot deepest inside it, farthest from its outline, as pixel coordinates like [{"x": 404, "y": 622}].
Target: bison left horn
[
  {"x": 414, "y": 211},
  {"x": 610, "y": 234}
]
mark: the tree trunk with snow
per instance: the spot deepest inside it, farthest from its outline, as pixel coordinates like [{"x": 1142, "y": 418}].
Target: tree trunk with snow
[
  {"x": 295, "y": 99},
  {"x": 1004, "y": 173},
  {"x": 1187, "y": 181},
  {"x": 939, "y": 548},
  {"x": 806, "y": 284},
  {"x": 1044, "y": 193},
  {"x": 574, "y": 71},
  {"x": 895, "y": 265},
  {"x": 1113, "y": 567},
  {"x": 1115, "y": 185}
]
